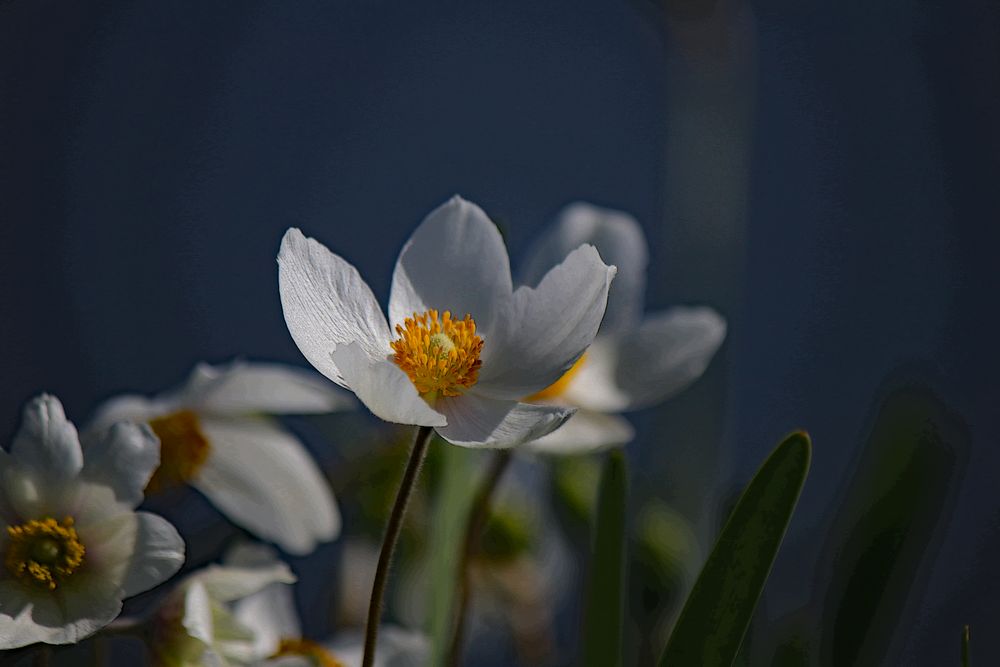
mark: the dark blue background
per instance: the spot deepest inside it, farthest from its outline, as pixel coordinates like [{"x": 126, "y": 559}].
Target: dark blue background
[{"x": 823, "y": 173}]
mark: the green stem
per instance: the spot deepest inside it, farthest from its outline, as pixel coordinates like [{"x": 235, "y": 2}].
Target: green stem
[
  {"x": 392, "y": 530},
  {"x": 478, "y": 516}
]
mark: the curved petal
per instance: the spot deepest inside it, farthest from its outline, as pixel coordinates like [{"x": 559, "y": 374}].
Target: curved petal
[
  {"x": 479, "y": 421},
  {"x": 158, "y": 554},
  {"x": 47, "y": 443},
  {"x": 123, "y": 458},
  {"x": 270, "y": 614},
  {"x": 455, "y": 260},
  {"x": 583, "y": 433},
  {"x": 551, "y": 327},
  {"x": 326, "y": 304},
  {"x": 263, "y": 479},
  {"x": 242, "y": 387},
  {"x": 124, "y": 408},
  {"x": 384, "y": 389},
  {"x": 226, "y": 583},
  {"x": 668, "y": 352},
  {"x": 65, "y": 617},
  {"x": 620, "y": 241}
]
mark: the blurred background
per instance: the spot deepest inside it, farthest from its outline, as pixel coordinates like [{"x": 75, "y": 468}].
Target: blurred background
[{"x": 823, "y": 174}]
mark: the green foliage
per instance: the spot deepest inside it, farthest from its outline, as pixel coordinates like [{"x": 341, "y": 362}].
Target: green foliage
[
  {"x": 454, "y": 491},
  {"x": 718, "y": 610},
  {"x": 602, "y": 625},
  {"x": 965, "y": 646},
  {"x": 506, "y": 536},
  {"x": 885, "y": 524}
]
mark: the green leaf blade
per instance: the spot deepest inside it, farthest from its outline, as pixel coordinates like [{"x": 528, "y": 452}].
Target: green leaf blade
[
  {"x": 603, "y": 615},
  {"x": 717, "y": 613}
]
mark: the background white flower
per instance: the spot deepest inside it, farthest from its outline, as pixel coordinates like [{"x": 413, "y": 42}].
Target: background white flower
[
  {"x": 196, "y": 624},
  {"x": 270, "y": 614},
  {"x": 636, "y": 360},
  {"x": 215, "y": 436},
  {"x": 467, "y": 346},
  {"x": 71, "y": 545}
]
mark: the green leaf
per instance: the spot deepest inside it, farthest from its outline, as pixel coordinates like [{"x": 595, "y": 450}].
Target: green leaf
[
  {"x": 965, "y": 646},
  {"x": 887, "y": 526},
  {"x": 718, "y": 610},
  {"x": 456, "y": 487},
  {"x": 602, "y": 623}
]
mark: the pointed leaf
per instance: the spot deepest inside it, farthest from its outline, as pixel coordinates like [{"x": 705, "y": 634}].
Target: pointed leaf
[
  {"x": 602, "y": 624},
  {"x": 718, "y": 610}
]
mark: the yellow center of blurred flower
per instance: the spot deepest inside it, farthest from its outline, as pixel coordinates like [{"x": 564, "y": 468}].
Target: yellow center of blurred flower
[
  {"x": 43, "y": 552},
  {"x": 183, "y": 449},
  {"x": 441, "y": 355},
  {"x": 310, "y": 650},
  {"x": 559, "y": 387}
]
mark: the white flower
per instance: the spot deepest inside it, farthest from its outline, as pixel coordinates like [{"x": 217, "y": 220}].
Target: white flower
[
  {"x": 467, "y": 346},
  {"x": 270, "y": 614},
  {"x": 197, "y": 625},
  {"x": 635, "y": 361},
  {"x": 215, "y": 436},
  {"x": 71, "y": 545}
]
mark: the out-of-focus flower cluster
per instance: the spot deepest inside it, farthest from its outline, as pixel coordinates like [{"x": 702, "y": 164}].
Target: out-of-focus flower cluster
[{"x": 543, "y": 366}]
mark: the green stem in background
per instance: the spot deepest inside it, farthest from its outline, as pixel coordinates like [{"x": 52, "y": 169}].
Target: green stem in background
[
  {"x": 478, "y": 516},
  {"x": 392, "y": 530},
  {"x": 965, "y": 646}
]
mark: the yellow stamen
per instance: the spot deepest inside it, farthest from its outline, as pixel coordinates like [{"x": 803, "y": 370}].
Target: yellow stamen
[
  {"x": 44, "y": 552},
  {"x": 304, "y": 648},
  {"x": 559, "y": 387},
  {"x": 441, "y": 355},
  {"x": 183, "y": 450}
]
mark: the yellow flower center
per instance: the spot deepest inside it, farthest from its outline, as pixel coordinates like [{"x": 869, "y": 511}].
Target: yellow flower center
[
  {"x": 441, "y": 355},
  {"x": 310, "y": 650},
  {"x": 559, "y": 387},
  {"x": 183, "y": 450},
  {"x": 44, "y": 552}
]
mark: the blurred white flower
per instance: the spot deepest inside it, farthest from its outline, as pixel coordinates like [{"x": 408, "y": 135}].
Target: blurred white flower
[
  {"x": 467, "y": 346},
  {"x": 72, "y": 545},
  {"x": 197, "y": 624},
  {"x": 635, "y": 361},
  {"x": 270, "y": 614},
  {"x": 215, "y": 435}
]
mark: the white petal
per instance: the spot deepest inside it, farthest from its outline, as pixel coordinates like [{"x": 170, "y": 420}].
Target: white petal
[
  {"x": 226, "y": 584},
  {"x": 551, "y": 327},
  {"x": 619, "y": 239},
  {"x": 242, "y": 387},
  {"x": 263, "y": 479},
  {"x": 668, "y": 352},
  {"x": 270, "y": 614},
  {"x": 47, "y": 442},
  {"x": 28, "y": 616},
  {"x": 326, "y": 304},
  {"x": 455, "y": 260},
  {"x": 127, "y": 408},
  {"x": 384, "y": 388},
  {"x": 584, "y": 432},
  {"x": 593, "y": 387},
  {"x": 479, "y": 421},
  {"x": 158, "y": 554},
  {"x": 123, "y": 458},
  {"x": 197, "y": 619}
]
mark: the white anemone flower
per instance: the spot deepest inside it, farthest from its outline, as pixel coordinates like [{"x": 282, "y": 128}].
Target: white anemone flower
[
  {"x": 216, "y": 436},
  {"x": 197, "y": 625},
  {"x": 636, "y": 360},
  {"x": 270, "y": 614},
  {"x": 467, "y": 346},
  {"x": 72, "y": 546}
]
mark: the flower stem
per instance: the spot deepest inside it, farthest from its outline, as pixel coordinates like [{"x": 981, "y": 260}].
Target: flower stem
[
  {"x": 479, "y": 513},
  {"x": 392, "y": 530}
]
